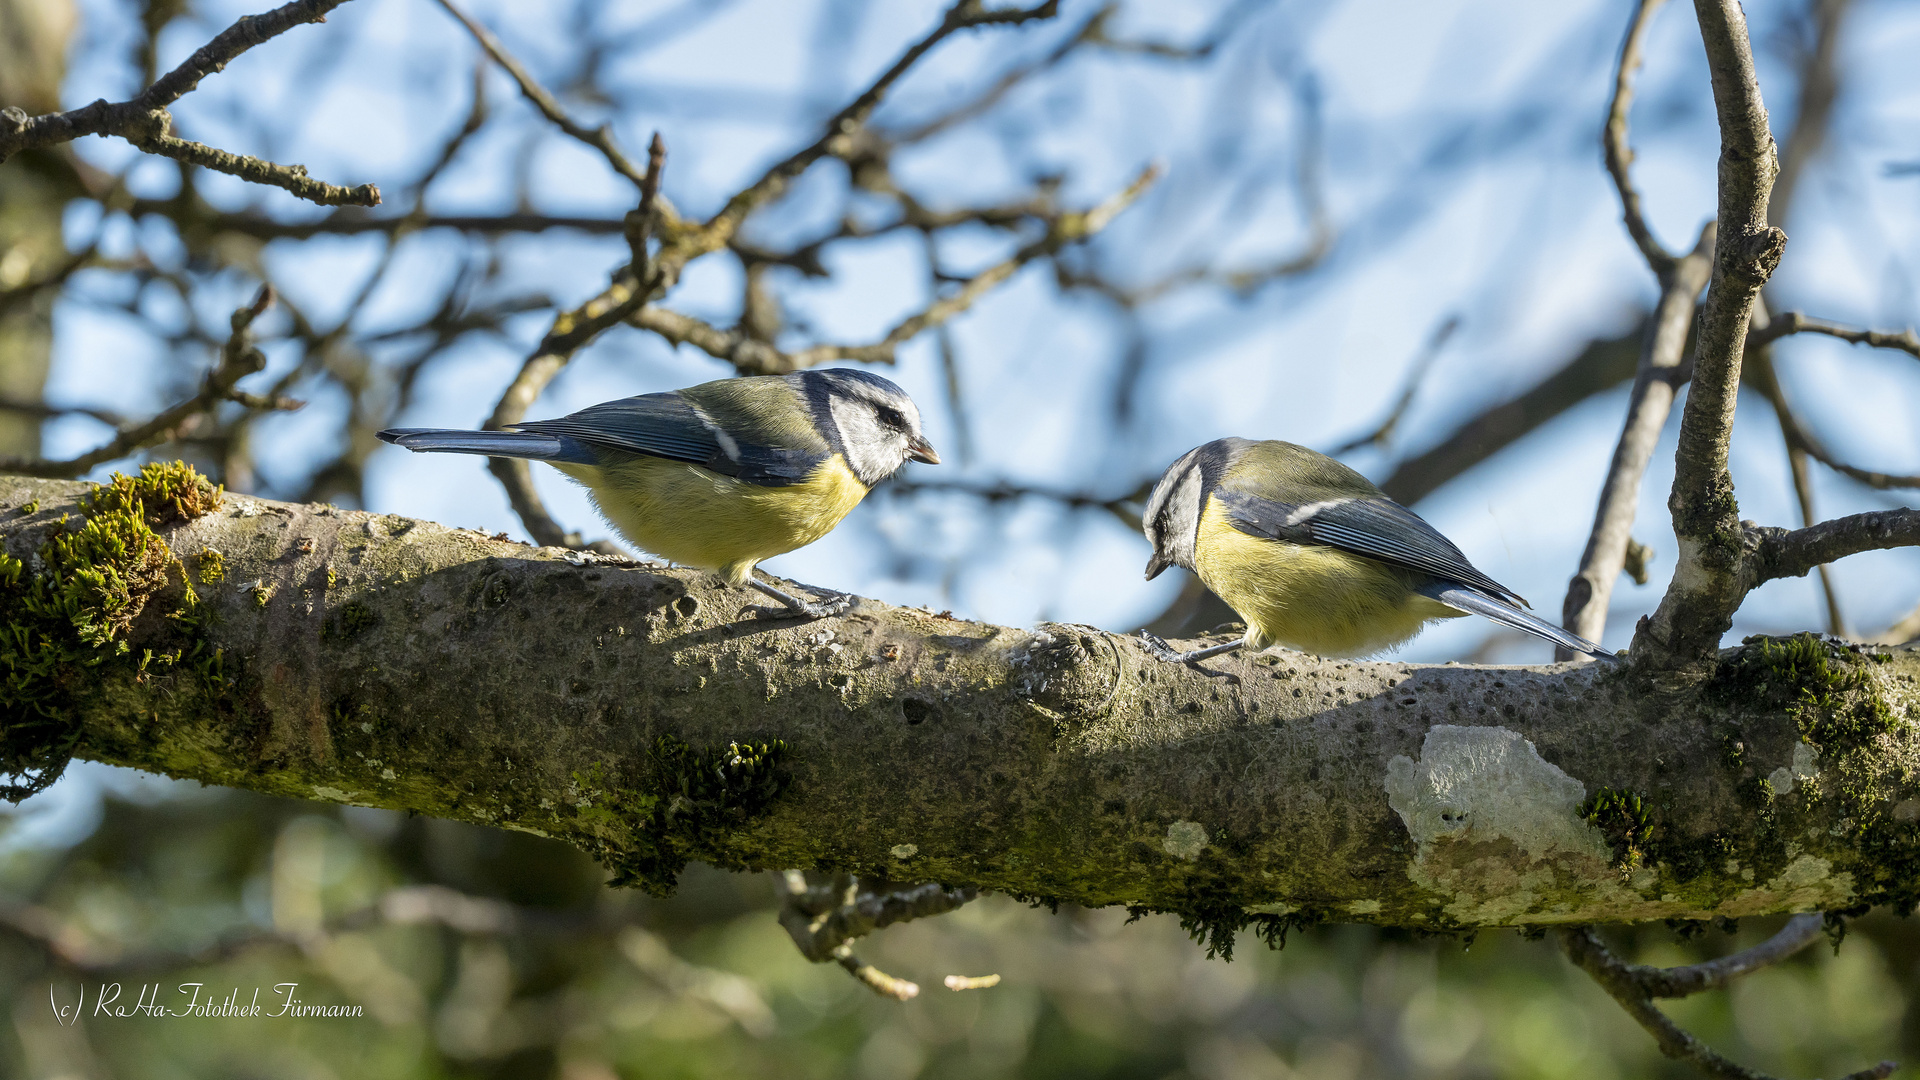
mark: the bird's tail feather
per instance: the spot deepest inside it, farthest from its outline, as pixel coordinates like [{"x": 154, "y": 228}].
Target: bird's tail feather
[
  {"x": 516, "y": 444},
  {"x": 1458, "y": 596}
]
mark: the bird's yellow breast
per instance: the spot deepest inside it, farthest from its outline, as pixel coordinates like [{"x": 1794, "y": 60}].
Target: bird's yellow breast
[
  {"x": 1318, "y": 599},
  {"x": 700, "y": 518}
]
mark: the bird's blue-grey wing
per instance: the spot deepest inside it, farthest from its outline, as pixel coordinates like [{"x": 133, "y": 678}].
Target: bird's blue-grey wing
[
  {"x": 671, "y": 426},
  {"x": 1374, "y": 526}
]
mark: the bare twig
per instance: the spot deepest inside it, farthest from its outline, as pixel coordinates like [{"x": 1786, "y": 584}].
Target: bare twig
[
  {"x": 1813, "y": 110},
  {"x": 841, "y": 129},
  {"x": 1126, "y": 508},
  {"x": 681, "y": 242},
  {"x": 823, "y": 920},
  {"x": 1599, "y": 366},
  {"x": 1759, "y": 373},
  {"x": 1092, "y": 29},
  {"x": 239, "y": 359},
  {"x": 1698, "y": 607},
  {"x": 1588, "y": 595},
  {"x": 751, "y": 355},
  {"x": 600, "y": 138},
  {"x": 42, "y": 410},
  {"x": 1794, "y": 322},
  {"x": 145, "y": 122},
  {"x": 1635, "y": 987},
  {"x": 1620, "y": 151},
  {"x": 1430, "y": 352},
  {"x": 1782, "y": 553},
  {"x": 1801, "y": 443}
]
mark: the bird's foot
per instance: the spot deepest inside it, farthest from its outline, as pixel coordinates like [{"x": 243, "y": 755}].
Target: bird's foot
[
  {"x": 835, "y": 604},
  {"x": 1165, "y": 653}
]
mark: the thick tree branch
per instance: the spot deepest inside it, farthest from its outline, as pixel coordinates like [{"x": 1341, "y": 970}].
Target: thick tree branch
[
  {"x": 145, "y": 122},
  {"x": 649, "y": 717},
  {"x": 1698, "y": 607}
]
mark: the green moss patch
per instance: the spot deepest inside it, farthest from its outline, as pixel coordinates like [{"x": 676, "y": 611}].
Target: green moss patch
[
  {"x": 1622, "y": 817},
  {"x": 682, "y": 806},
  {"x": 64, "y": 625},
  {"x": 1827, "y": 687}
]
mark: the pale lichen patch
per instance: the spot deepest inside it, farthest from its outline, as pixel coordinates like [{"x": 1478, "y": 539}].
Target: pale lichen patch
[
  {"x": 1804, "y": 766},
  {"x": 904, "y": 851},
  {"x": 1479, "y": 784},
  {"x": 1185, "y": 840},
  {"x": 1497, "y": 828}
]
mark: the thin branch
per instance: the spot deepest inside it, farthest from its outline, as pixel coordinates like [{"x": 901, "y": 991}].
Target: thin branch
[
  {"x": 1599, "y": 366},
  {"x": 239, "y": 359},
  {"x": 1619, "y": 151},
  {"x": 600, "y": 138},
  {"x": 1781, "y": 553},
  {"x": 1634, "y": 987},
  {"x": 1422, "y": 364},
  {"x": 636, "y": 286},
  {"x": 1216, "y": 35},
  {"x": 1126, "y": 508},
  {"x": 1813, "y": 109},
  {"x": 42, "y": 411},
  {"x": 1801, "y": 931},
  {"x": 1801, "y": 443},
  {"x": 145, "y": 122},
  {"x": 719, "y": 230},
  {"x": 1590, "y": 592},
  {"x": 201, "y": 217},
  {"x": 1698, "y": 607},
  {"x": 1794, "y": 322},
  {"x": 1759, "y": 373},
  {"x": 823, "y": 920},
  {"x": 752, "y": 356}
]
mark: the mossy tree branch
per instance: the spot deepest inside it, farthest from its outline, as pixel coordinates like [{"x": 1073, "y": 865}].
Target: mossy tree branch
[{"x": 647, "y": 716}]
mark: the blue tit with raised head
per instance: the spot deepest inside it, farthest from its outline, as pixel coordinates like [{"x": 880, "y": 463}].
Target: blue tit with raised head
[
  {"x": 1313, "y": 556},
  {"x": 721, "y": 475}
]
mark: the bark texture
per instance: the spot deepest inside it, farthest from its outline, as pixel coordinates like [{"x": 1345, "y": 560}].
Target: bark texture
[{"x": 650, "y": 717}]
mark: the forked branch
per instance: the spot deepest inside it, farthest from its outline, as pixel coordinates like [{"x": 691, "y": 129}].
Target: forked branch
[
  {"x": 1635, "y": 986},
  {"x": 145, "y": 122}
]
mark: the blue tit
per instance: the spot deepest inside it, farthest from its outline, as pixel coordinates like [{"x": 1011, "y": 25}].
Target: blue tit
[
  {"x": 722, "y": 475},
  {"x": 1313, "y": 556}
]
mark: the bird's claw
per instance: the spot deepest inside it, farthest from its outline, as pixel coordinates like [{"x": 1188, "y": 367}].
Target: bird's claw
[
  {"x": 1165, "y": 653},
  {"x": 1160, "y": 649},
  {"x": 798, "y": 607}
]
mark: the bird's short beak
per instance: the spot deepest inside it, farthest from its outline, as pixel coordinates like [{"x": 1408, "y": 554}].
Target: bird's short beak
[
  {"x": 922, "y": 450},
  {"x": 1156, "y": 564}
]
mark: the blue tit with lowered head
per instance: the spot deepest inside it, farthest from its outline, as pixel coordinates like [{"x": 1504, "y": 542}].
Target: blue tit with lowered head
[
  {"x": 721, "y": 475},
  {"x": 1313, "y": 556}
]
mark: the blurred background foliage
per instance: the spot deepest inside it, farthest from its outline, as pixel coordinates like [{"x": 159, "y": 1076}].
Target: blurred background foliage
[
  {"x": 495, "y": 954},
  {"x": 1383, "y": 230}
]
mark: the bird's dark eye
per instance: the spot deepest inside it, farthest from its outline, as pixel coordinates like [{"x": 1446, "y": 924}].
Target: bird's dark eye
[{"x": 892, "y": 417}]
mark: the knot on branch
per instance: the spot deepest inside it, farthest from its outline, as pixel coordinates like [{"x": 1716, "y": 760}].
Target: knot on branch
[
  {"x": 13, "y": 119},
  {"x": 1754, "y": 254},
  {"x": 1068, "y": 670},
  {"x": 149, "y": 129}
]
